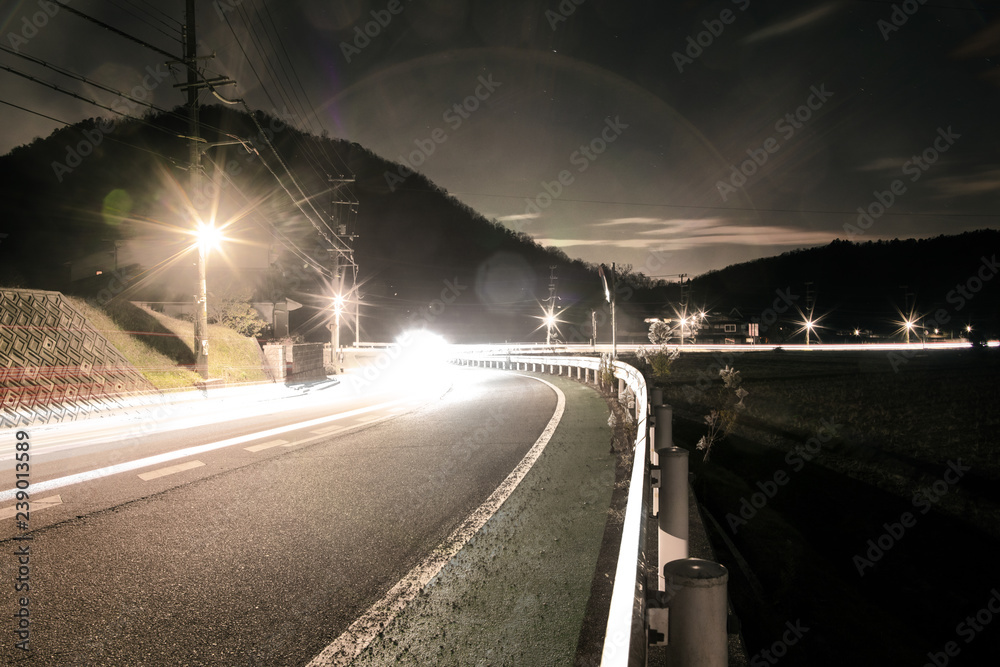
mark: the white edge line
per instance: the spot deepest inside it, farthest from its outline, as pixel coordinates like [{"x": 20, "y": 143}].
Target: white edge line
[
  {"x": 190, "y": 451},
  {"x": 360, "y": 634}
]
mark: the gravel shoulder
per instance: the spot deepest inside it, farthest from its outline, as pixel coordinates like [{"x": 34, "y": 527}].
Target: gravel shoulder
[{"x": 517, "y": 593}]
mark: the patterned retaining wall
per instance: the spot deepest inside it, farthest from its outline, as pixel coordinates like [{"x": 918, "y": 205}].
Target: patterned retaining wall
[{"x": 54, "y": 366}]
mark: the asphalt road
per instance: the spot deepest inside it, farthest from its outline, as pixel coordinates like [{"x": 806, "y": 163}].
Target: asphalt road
[{"x": 266, "y": 538}]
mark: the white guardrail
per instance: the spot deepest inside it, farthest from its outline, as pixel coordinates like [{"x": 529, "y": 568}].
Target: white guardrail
[{"x": 625, "y": 635}]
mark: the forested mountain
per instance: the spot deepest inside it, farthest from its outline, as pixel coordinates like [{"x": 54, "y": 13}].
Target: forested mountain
[{"x": 423, "y": 255}]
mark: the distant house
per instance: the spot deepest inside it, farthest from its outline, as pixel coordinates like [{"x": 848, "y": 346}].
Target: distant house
[
  {"x": 713, "y": 328},
  {"x": 726, "y": 329}
]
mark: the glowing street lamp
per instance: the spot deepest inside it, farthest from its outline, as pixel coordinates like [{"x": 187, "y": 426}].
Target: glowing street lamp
[
  {"x": 550, "y": 321},
  {"x": 338, "y": 308},
  {"x": 809, "y": 327},
  {"x": 909, "y": 326},
  {"x": 207, "y": 238}
]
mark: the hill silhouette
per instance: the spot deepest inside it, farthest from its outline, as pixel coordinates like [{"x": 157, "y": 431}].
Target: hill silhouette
[
  {"x": 425, "y": 258},
  {"x": 948, "y": 281}
]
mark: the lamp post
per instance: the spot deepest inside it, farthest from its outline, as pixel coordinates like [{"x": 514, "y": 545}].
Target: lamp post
[
  {"x": 208, "y": 237},
  {"x": 338, "y": 308},
  {"x": 550, "y": 320}
]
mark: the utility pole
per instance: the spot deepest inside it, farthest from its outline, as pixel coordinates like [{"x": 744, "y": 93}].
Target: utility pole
[
  {"x": 194, "y": 183},
  {"x": 550, "y": 316},
  {"x": 908, "y": 304},
  {"x": 684, "y": 305},
  {"x": 810, "y": 297},
  {"x": 614, "y": 326},
  {"x": 344, "y": 215},
  {"x": 193, "y": 86},
  {"x": 609, "y": 293}
]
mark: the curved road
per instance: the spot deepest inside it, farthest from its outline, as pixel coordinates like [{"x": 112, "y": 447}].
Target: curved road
[{"x": 264, "y": 550}]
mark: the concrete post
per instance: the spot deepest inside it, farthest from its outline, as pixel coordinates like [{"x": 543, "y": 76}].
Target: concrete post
[
  {"x": 672, "y": 516},
  {"x": 663, "y": 437},
  {"x": 698, "y": 613},
  {"x": 656, "y": 396},
  {"x": 621, "y": 387}
]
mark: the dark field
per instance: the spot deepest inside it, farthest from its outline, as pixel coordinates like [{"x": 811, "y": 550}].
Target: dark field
[{"x": 859, "y": 494}]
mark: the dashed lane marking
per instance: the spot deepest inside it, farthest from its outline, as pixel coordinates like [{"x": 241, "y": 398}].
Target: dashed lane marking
[
  {"x": 35, "y": 506},
  {"x": 266, "y": 445},
  {"x": 163, "y": 472}
]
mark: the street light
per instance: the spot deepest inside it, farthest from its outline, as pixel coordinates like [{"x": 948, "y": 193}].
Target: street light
[
  {"x": 809, "y": 327},
  {"x": 207, "y": 238},
  {"x": 338, "y": 308},
  {"x": 550, "y": 321}
]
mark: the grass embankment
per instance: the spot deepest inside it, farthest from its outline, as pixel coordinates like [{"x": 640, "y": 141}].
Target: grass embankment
[{"x": 162, "y": 348}]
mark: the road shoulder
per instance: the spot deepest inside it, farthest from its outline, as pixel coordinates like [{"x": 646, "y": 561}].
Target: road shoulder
[{"x": 517, "y": 593}]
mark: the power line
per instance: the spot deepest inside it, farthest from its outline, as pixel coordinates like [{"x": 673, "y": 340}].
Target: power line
[
  {"x": 267, "y": 226},
  {"x": 301, "y": 87},
  {"x": 70, "y": 93},
  {"x": 108, "y": 138},
  {"x": 128, "y": 11},
  {"x": 306, "y": 108},
  {"x": 298, "y": 204},
  {"x": 156, "y": 9},
  {"x": 120, "y": 33},
  {"x": 257, "y": 42}
]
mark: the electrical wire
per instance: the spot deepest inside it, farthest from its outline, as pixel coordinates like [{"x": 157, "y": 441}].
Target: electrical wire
[{"x": 177, "y": 31}]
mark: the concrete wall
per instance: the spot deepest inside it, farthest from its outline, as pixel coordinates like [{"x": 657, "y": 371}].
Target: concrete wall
[
  {"x": 53, "y": 365},
  {"x": 301, "y": 362}
]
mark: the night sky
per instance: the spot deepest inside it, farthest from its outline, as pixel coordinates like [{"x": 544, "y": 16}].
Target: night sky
[{"x": 678, "y": 137}]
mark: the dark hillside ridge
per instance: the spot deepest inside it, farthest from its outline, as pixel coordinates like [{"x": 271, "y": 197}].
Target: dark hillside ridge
[{"x": 425, "y": 258}]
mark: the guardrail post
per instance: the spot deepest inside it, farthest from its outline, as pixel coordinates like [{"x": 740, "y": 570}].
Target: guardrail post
[
  {"x": 656, "y": 396},
  {"x": 672, "y": 517},
  {"x": 698, "y": 615},
  {"x": 663, "y": 427}
]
